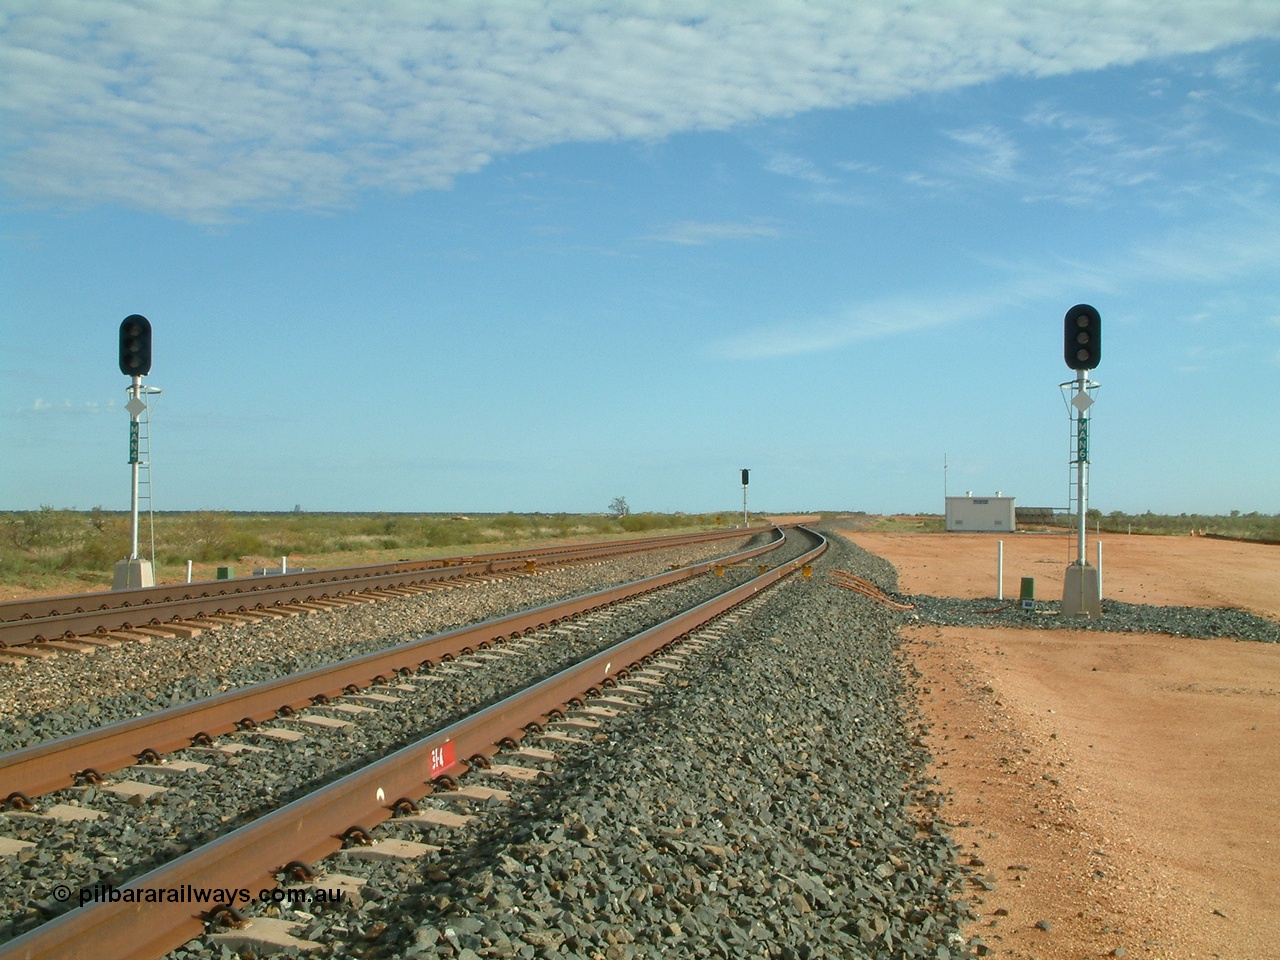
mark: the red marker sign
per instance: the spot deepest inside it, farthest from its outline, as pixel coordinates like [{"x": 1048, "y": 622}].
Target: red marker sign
[{"x": 441, "y": 758}]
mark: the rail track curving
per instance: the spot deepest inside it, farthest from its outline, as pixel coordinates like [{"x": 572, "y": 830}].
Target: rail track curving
[
  {"x": 309, "y": 828},
  {"x": 84, "y": 617},
  {"x": 55, "y": 765}
]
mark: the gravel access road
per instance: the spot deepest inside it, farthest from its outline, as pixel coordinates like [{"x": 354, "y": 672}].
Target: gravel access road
[{"x": 1113, "y": 783}]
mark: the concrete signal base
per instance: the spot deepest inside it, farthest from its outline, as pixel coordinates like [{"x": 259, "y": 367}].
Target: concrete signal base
[
  {"x": 1082, "y": 591},
  {"x": 130, "y": 574}
]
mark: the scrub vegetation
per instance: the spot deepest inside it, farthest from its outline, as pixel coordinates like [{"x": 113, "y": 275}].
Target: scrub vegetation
[
  {"x": 66, "y": 551},
  {"x": 50, "y": 550},
  {"x": 1244, "y": 526}
]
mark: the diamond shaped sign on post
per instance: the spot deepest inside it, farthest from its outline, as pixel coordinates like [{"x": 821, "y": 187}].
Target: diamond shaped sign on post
[
  {"x": 135, "y": 407},
  {"x": 1082, "y": 401}
]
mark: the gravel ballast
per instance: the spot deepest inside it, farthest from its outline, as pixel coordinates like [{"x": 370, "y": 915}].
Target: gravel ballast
[
  {"x": 768, "y": 800},
  {"x": 1117, "y": 617},
  {"x": 45, "y": 699},
  {"x": 141, "y": 833}
]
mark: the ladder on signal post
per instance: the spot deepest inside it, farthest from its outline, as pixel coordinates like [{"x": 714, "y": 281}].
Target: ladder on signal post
[
  {"x": 1073, "y": 475},
  {"x": 143, "y": 453},
  {"x": 1078, "y": 397}
]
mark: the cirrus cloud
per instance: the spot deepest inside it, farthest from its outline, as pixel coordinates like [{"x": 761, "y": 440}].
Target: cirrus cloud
[{"x": 205, "y": 109}]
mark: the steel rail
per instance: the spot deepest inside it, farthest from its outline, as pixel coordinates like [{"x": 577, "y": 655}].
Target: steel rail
[
  {"x": 154, "y": 606},
  {"x": 310, "y": 828},
  {"x": 33, "y": 607},
  {"x": 53, "y": 765}
]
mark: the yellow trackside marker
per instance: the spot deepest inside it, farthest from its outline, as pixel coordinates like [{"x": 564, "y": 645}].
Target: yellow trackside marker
[
  {"x": 806, "y": 571},
  {"x": 719, "y": 570},
  {"x": 530, "y": 566}
]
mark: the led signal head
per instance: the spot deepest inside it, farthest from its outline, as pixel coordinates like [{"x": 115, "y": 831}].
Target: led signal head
[
  {"x": 745, "y": 474},
  {"x": 135, "y": 346},
  {"x": 1082, "y": 337}
]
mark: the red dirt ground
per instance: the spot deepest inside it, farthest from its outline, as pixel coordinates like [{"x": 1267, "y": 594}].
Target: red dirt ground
[{"x": 1120, "y": 790}]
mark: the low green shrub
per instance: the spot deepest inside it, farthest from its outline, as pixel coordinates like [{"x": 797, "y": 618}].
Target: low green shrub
[{"x": 88, "y": 543}]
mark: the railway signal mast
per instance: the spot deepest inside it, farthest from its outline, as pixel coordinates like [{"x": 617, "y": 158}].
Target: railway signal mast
[
  {"x": 135, "y": 363},
  {"x": 745, "y": 476},
  {"x": 1082, "y": 349}
]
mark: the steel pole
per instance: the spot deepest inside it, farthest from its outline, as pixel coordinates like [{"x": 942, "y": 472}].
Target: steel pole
[
  {"x": 135, "y": 392},
  {"x": 1082, "y": 471}
]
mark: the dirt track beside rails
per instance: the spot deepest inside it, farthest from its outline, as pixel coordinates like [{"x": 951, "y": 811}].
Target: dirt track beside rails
[{"x": 1119, "y": 793}]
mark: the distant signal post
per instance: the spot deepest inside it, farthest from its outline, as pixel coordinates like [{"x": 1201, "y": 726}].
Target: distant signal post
[
  {"x": 745, "y": 477},
  {"x": 1082, "y": 350},
  {"x": 135, "y": 363}
]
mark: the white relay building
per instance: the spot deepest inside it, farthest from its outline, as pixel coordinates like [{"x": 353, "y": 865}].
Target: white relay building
[{"x": 970, "y": 514}]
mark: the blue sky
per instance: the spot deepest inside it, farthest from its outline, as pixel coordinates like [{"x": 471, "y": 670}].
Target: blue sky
[{"x": 533, "y": 256}]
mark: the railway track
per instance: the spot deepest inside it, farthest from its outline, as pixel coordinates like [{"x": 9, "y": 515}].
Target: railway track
[
  {"x": 334, "y": 701},
  {"x": 43, "y": 625},
  {"x": 56, "y": 765}
]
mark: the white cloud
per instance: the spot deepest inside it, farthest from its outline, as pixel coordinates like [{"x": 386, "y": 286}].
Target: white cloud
[
  {"x": 694, "y": 233},
  {"x": 790, "y": 165},
  {"x": 991, "y": 153},
  {"x": 65, "y": 408},
  {"x": 856, "y": 323},
  {"x": 210, "y": 107},
  {"x": 1063, "y": 155},
  {"x": 1216, "y": 253}
]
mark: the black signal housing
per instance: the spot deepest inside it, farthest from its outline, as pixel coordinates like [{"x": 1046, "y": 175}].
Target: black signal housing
[
  {"x": 1082, "y": 337},
  {"x": 135, "y": 346}
]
